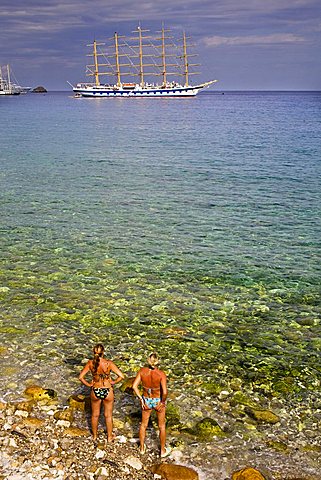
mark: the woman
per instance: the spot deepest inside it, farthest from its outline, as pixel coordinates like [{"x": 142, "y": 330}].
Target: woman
[
  {"x": 154, "y": 396},
  {"x": 101, "y": 389}
]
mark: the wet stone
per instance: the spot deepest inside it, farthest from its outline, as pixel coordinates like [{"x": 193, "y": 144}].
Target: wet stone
[
  {"x": 263, "y": 416},
  {"x": 32, "y": 423},
  {"x": 40, "y": 394},
  {"x": 174, "y": 472},
  {"x": 27, "y": 406},
  {"x": 206, "y": 429},
  {"x": 248, "y": 474},
  {"x": 67, "y": 415},
  {"x": 79, "y": 402}
]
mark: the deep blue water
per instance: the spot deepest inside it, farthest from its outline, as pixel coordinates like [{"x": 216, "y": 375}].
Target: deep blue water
[
  {"x": 216, "y": 183},
  {"x": 163, "y": 212}
]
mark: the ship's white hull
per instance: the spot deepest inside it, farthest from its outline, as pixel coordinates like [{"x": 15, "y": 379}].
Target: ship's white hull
[
  {"x": 9, "y": 92},
  {"x": 101, "y": 91}
]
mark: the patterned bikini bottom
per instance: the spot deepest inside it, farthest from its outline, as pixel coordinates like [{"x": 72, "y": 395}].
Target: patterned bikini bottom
[
  {"x": 101, "y": 393},
  {"x": 151, "y": 402}
]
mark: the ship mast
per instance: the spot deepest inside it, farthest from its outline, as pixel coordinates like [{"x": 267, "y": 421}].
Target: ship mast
[
  {"x": 96, "y": 64},
  {"x": 142, "y": 55},
  {"x": 185, "y": 59},
  {"x": 164, "y": 57},
  {"x": 141, "y": 65},
  {"x": 117, "y": 60},
  {"x": 9, "y": 79},
  {"x": 186, "y": 56}
]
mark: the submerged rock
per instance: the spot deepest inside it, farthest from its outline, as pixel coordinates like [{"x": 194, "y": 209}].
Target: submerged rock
[
  {"x": 242, "y": 399},
  {"x": 212, "y": 388},
  {"x": 206, "y": 429},
  {"x": 264, "y": 416},
  {"x": 173, "y": 416},
  {"x": 277, "y": 445}
]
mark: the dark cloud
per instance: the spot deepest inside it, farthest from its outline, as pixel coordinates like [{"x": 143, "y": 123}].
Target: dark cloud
[{"x": 45, "y": 40}]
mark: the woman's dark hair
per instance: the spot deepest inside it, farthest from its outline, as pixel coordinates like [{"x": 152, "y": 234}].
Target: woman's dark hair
[{"x": 98, "y": 353}]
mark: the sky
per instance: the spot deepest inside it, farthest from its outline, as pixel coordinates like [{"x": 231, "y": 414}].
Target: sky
[{"x": 245, "y": 44}]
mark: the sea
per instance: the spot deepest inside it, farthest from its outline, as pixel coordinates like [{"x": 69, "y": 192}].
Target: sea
[{"x": 186, "y": 226}]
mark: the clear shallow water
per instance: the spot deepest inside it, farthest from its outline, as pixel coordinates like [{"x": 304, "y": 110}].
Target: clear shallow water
[{"x": 190, "y": 226}]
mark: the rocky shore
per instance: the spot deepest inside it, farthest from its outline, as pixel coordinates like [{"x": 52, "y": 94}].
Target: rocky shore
[{"x": 41, "y": 439}]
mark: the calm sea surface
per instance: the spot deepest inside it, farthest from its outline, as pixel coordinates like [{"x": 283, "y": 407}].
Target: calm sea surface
[{"x": 189, "y": 226}]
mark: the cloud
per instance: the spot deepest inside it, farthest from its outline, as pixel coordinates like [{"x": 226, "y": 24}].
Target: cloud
[
  {"x": 259, "y": 40},
  {"x": 55, "y": 14},
  {"x": 57, "y": 31}
]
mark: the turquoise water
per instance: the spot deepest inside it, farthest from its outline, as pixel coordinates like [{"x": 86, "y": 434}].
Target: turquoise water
[{"x": 190, "y": 226}]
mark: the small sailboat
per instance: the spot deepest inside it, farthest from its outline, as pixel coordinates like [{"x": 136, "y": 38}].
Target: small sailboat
[
  {"x": 142, "y": 56},
  {"x": 6, "y": 85}
]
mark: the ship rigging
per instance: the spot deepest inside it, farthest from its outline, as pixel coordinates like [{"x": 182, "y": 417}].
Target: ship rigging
[{"x": 142, "y": 57}]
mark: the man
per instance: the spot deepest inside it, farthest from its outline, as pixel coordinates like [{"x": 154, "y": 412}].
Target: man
[{"x": 154, "y": 397}]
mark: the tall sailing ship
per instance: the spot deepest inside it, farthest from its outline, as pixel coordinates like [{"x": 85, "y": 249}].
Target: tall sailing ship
[{"x": 144, "y": 57}]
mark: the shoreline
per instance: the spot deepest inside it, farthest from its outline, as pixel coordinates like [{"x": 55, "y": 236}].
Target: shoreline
[{"x": 58, "y": 440}]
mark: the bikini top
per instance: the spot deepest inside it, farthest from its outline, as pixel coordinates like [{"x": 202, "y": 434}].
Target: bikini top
[
  {"x": 149, "y": 390},
  {"x": 102, "y": 376}
]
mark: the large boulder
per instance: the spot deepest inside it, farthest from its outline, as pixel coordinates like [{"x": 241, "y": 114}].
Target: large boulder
[
  {"x": 248, "y": 473},
  {"x": 38, "y": 394},
  {"x": 39, "y": 89},
  {"x": 169, "y": 471}
]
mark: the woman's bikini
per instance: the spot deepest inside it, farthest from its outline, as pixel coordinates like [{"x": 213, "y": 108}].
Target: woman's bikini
[
  {"x": 101, "y": 392},
  {"x": 150, "y": 402}
]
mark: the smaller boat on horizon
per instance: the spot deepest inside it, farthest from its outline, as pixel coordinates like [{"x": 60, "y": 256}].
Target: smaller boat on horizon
[
  {"x": 24, "y": 89},
  {"x": 7, "y": 87}
]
